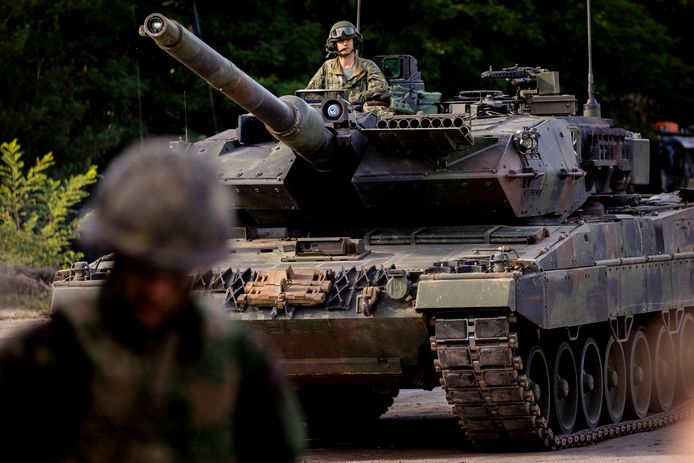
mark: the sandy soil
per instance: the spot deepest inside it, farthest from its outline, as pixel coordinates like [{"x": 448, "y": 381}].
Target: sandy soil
[{"x": 419, "y": 428}]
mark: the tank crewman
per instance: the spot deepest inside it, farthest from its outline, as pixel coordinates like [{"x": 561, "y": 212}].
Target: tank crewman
[
  {"x": 143, "y": 372},
  {"x": 360, "y": 77}
]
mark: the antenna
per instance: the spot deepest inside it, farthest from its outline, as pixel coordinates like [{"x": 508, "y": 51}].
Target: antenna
[
  {"x": 359, "y": 15},
  {"x": 139, "y": 86},
  {"x": 198, "y": 31},
  {"x": 185, "y": 114},
  {"x": 592, "y": 107}
]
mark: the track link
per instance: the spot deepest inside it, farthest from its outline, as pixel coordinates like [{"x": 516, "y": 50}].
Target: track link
[{"x": 483, "y": 380}]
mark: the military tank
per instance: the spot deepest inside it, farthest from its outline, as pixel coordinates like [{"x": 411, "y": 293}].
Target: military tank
[{"x": 490, "y": 246}]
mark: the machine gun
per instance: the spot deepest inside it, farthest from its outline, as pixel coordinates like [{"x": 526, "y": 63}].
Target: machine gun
[
  {"x": 538, "y": 91},
  {"x": 546, "y": 82},
  {"x": 515, "y": 74}
]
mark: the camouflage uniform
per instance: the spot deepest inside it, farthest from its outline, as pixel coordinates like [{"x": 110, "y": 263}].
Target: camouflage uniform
[
  {"x": 101, "y": 382},
  {"x": 89, "y": 385},
  {"x": 367, "y": 77}
]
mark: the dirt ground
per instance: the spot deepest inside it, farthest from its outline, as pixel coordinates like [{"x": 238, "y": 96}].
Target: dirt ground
[
  {"x": 13, "y": 325},
  {"x": 419, "y": 428},
  {"x": 25, "y": 292}
]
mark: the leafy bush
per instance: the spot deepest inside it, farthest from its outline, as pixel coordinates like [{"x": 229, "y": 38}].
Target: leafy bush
[{"x": 37, "y": 215}]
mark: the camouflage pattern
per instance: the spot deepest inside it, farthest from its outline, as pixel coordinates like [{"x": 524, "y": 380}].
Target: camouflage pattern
[
  {"x": 168, "y": 398},
  {"x": 157, "y": 217},
  {"x": 367, "y": 78},
  {"x": 380, "y": 111},
  {"x": 584, "y": 272}
]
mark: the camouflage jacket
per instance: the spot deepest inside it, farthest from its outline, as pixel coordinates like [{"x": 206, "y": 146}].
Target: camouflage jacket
[
  {"x": 88, "y": 386},
  {"x": 367, "y": 77}
]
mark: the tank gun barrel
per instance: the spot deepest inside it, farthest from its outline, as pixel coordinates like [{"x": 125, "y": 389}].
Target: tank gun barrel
[{"x": 288, "y": 118}]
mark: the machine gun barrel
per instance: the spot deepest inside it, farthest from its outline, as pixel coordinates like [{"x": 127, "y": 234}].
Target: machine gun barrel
[
  {"x": 288, "y": 118},
  {"x": 515, "y": 72},
  {"x": 511, "y": 74}
]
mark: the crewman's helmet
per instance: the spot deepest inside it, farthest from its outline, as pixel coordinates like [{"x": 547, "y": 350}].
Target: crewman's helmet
[{"x": 343, "y": 30}]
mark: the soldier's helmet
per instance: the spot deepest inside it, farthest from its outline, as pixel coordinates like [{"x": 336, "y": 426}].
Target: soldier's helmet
[
  {"x": 160, "y": 206},
  {"x": 343, "y": 30}
]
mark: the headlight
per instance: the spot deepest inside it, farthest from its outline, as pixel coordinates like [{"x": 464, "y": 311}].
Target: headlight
[
  {"x": 527, "y": 139},
  {"x": 529, "y": 143}
]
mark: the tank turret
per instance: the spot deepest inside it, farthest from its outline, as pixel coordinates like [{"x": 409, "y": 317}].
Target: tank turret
[{"x": 422, "y": 161}]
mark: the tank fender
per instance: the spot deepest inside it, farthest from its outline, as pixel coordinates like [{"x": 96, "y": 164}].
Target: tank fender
[{"x": 455, "y": 291}]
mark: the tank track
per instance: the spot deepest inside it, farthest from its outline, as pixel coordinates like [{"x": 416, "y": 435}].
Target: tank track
[{"x": 483, "y": 380}]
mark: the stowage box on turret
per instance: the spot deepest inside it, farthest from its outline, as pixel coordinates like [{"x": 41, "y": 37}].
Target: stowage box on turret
[{"x": 492, "y": 248}]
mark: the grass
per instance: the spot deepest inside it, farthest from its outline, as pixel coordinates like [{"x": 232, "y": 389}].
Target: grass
[{"x": 14, "y": 308}]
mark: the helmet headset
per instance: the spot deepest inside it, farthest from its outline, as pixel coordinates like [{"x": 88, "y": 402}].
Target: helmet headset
[{"x": 339, "y": 31}]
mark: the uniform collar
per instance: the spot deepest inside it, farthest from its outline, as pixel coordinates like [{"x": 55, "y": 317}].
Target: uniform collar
[{"x": 337, "y": 69}]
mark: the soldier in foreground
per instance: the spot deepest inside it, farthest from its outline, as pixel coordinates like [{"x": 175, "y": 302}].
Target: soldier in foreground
[
  {"x": 360, "y": 77},
  {"x": 142, "y": 372}
]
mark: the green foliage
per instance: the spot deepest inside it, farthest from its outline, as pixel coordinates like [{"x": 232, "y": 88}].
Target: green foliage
[
  {"x": 37, "y": 220},
  {"x": 78, "y": 80}
]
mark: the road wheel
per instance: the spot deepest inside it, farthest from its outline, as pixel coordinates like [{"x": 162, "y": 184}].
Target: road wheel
[
  {"x": 538, "y": 379},
  {"x": 590, "y": 383},
  {"x": 615, "y": 380},
  {"x": 663, "y": 353},
  {"x": 685, "y": 355},
  {"x": 639, "y": 372},
  {"x": 565, "y": 389}
]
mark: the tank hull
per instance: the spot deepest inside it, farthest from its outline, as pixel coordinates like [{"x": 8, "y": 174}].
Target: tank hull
[
  {"x": 588, "y": 282},
  {"x": 582, "y": 273}
]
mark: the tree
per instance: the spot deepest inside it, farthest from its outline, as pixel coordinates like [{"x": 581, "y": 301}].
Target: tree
[
  {"x": 79, "y": 81},
  {"x": 37, "y": 216}
]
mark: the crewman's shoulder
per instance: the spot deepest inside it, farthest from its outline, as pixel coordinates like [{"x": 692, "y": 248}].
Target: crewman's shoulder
[{"x": 368, "y": 64}]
